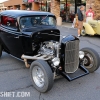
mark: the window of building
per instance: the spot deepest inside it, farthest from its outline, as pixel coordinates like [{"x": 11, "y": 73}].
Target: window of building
[
  {"x": 48, "y": 5},
  {"x": 9, "y": 21},
  {"x": 83, "y": 1},
  {"x": 70, "y": 10},
  {"x": 80, "y": 1},
  {"x": 67, "y": 10},
  {"x": 29, "y": 6},
  {"x": 43, "y": 5}
]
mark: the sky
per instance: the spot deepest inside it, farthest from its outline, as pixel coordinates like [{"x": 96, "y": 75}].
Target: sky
[{"x": 2, "y": 1}]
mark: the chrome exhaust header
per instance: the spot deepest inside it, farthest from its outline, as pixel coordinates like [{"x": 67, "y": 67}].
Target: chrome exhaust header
[{"x": 39, "y": 56}]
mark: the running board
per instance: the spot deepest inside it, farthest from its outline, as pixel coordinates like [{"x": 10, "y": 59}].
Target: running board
[{"x": 82, "y": 71}]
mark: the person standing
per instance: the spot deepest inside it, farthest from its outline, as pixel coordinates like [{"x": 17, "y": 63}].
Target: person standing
[
  {"x": 89, "y": 15},
  {"x": 80, "y": 19}
]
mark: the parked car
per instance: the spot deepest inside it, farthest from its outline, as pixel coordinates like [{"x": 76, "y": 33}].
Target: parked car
[
  {"x": 32, "y": 36},
  {"x": 91, "y": 28}
]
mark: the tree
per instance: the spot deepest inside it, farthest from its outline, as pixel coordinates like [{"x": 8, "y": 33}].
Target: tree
[
  {"x": 96, "y": 9},
  {"x": 55, "y": 7}
]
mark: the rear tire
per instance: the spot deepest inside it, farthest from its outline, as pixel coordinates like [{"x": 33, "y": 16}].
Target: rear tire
[
  {"x": 91, "y": 59},
  {"x": 83, "y": 33},
  {"x": 41, "y": 75}
]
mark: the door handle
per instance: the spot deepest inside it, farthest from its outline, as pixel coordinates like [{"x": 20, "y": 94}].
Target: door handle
[{"x": 17, "y": 37}]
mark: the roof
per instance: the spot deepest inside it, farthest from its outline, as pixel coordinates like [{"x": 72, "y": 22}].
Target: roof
[{"x": 19, "y": 13}]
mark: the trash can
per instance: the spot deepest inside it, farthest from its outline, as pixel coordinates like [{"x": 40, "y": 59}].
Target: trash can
[{"x": 59, "y": 21}]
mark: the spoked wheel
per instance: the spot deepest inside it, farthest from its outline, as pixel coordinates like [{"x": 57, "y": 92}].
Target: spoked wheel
[
  {"x": 91, "y": 59},
  {"x": 41, "y": 75},
  {"x": 83, "y": 32}
]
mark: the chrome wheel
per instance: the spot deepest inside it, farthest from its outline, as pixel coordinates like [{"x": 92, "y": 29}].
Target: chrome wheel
[
  {"x": 38, "y": 76},
  {"x": 88, "y": 60},
  {"x": 91, "y": 59},
  {"x": 41, "y": 75}
]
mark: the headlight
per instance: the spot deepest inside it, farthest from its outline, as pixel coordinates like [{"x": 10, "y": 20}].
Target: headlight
[
  {"x": 56, "y": 61},
  {"x": 81, "y": 54}
]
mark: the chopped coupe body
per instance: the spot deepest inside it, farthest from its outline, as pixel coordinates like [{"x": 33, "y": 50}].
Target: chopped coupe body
[
  {"x": 18, "y": 40},
  {"x": 33, "y": 37}
]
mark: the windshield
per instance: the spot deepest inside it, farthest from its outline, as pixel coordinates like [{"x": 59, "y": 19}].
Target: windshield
[{"x": 26, "y": 22}]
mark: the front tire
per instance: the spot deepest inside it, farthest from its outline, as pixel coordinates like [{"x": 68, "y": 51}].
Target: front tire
[
  {"x": 91, "y": 59},
  {"x": 41, "y": 75}
]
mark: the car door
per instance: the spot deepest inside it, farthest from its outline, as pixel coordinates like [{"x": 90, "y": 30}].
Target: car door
[
  {"x": 98, "y": 27},
  {"x": 11, "y": 38},
  {"x": 94, "y": 25}
]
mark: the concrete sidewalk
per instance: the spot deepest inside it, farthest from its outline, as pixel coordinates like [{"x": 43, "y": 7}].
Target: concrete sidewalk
[{"x": 66, "y": 24}]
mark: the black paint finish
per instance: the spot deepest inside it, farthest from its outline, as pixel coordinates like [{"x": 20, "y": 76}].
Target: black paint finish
[
  {"x": 22, "y": 41},
  {"x": 63, "y": 45}
]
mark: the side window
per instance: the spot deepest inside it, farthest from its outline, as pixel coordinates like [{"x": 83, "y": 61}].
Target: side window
[{"x": 9, "y": 21}]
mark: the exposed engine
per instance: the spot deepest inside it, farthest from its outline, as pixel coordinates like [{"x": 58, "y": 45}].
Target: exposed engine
[{"x": 49, "y": 48}]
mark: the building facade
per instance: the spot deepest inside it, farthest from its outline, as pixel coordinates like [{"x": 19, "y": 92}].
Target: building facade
[
  {"x": 21, "y": 5},
  {"x": 2, "y": 7},
  {"x": 65, "y": 9},
  {"x": 68, "y": 8}
]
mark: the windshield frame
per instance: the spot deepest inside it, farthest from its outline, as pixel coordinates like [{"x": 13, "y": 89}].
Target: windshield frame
[{"x": 39, "y": 24}]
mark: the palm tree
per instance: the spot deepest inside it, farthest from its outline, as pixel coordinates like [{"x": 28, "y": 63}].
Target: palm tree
[
  {"x": 96, "y": 9},
  {"x": 55, "y": 7}
]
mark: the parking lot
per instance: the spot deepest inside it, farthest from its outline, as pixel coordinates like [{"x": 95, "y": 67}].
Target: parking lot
[{"x": 14, "y": 77}]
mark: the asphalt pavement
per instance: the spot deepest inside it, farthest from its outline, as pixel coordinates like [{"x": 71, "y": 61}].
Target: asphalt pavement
[{"x": 14, "y": 77}]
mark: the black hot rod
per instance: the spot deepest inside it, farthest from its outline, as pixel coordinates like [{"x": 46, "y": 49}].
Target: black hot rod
[{"x": 32, "y": 37}]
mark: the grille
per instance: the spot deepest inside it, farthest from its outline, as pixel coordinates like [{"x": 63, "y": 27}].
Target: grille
[{"x": 71, "y": 56}]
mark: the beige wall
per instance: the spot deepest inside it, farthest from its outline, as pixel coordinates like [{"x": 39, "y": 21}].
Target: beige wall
[
  {"x": 2, "y": 7},
  {"x": 12, "y": 3},
  {"x": 22, "y": 7},
  {"x": 35, "y": 6}
]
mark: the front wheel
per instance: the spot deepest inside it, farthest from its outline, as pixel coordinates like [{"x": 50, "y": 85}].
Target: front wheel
[
  {"x": 91, "y": 59},
  {"x": 41, "y": 75}
]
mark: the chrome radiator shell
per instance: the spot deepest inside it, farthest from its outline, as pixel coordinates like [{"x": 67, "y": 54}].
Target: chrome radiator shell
[{"x": 71, "y": 62}]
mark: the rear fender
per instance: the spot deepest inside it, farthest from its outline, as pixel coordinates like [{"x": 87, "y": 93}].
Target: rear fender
[{"x": 88, "y": 29}]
